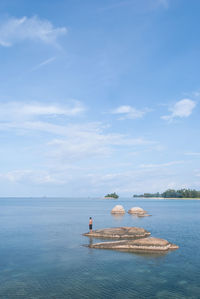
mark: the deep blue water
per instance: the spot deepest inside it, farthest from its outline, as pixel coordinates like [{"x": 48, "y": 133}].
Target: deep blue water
[{"x": 41, "y": 252}]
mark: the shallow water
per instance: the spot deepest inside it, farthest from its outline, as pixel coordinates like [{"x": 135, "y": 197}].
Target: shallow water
[{"x": 41, "y": 252}]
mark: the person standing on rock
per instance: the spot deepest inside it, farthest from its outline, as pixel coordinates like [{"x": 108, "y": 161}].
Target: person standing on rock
[{"x": 90, "y": 224}]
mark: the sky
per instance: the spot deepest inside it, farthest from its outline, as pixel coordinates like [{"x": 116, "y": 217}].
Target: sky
[{"x": 99, "y": 97}]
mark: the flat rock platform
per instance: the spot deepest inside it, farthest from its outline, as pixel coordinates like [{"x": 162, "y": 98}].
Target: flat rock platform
[
  {"x": 119, "y": 233},
  {"x": 145, "y": 245}
]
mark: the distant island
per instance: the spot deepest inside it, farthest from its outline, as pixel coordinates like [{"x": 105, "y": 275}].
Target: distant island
[
  {"x": 171, "y": 193},
  {"x": 111, "y": 195}
]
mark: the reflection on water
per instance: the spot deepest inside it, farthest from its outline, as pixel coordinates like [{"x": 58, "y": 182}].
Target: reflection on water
[
  {"x": 151, "y": 255},
  {"x": 117, "y": 217},
  {"x": 135, "y": 216},
  {"x": 41, "y": 252},
  {"x": 90, "y": 241}
]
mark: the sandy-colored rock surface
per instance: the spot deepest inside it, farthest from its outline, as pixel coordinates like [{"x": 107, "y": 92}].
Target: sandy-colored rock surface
[
  {"x": 118, "y": 209},
  {"x": 119, "y": 233},
  {"x": 137, "y": 211},
  {"x": 145, "y": 244}
]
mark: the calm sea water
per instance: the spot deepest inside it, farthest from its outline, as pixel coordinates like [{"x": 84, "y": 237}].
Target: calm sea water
[{"x": 42, "y": 253}]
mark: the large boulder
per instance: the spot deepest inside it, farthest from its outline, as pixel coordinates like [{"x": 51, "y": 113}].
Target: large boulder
[
  {"x": 118, "y": 209},
  {"x": 145, "y": 245},
  {"x": 138, "y": 212},
  {"x": 119, "y": 233}
]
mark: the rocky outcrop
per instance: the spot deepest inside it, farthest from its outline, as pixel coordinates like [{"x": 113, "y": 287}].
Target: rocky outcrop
[
  {"x": 119, "y": 233},
  {"x": 138, "y": 212},
  {"x": 145, "y": 245},
  {"x": 118, "y": 209}
]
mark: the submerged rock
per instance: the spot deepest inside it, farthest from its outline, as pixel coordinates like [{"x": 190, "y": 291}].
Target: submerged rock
[
  {"x": 118, "y": 209},
  {"x": 119, "y": 233},
  {"x": 145, "y": 244},
  {"x": 138, "y": 212}
]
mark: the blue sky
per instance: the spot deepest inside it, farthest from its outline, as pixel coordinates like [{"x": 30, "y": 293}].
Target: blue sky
[{"x": 99, "y": 96}]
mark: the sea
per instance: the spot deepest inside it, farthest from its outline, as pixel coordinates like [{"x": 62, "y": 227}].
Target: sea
[{"x": 43, "y": 253}]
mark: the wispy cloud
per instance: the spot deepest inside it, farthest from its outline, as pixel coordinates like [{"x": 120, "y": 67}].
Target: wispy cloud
[
  {"x": 78, "y": 141},
  {"x": 193, "y": 154},
  {"x": 30, "y": 176},
  {"x": 150, "y": 5},
  {"x": 161, "y": 165},
  {"x": 196, "y": 94},
  {"x": 68, "y": 141},
  {"x": 128, "y": 112},
  {"x": 164, "y": 3},
  {"x": 15, "y": 30},
  {"x": 13, "y": 111},
  {"x": 118, "y": 4},
  {"x": 43, "y": 63},
  {"x": 86, "y": 141},
  {"x": 181, "y": 109}
]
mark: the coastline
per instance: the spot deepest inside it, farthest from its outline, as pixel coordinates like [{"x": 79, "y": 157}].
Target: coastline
[{"x": 184, "y": 198}]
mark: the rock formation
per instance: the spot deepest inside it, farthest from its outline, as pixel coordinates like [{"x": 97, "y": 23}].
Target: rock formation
[
  {"x": 118, "y": 209},
  {"x": 145, "y": 245},
  {"x": 138, "y": 212},
  {"x": 119, "y": 233}
]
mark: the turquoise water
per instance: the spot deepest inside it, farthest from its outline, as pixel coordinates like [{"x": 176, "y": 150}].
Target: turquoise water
[{"x": 42, "y": 253}]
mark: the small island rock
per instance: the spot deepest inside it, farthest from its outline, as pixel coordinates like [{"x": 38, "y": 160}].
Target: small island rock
[
  {"x": 118, "y": 209},
  {"x": 138, "y": 212},
  {"x": 111, "y": 196},
  {"x": 145, "y": 245},
  {"x": 119, "y": 233}
]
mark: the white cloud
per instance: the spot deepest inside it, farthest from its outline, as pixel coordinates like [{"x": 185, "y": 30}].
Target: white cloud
[
  {"x": 21, "y": 110},
  {"x": 128, "y": 112},
  {"x": 15, "y": 30},
  {"x": 181, "y": 109}
]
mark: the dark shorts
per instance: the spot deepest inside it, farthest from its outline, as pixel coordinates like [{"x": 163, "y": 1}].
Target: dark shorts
[{"x": 90, "y": 226}]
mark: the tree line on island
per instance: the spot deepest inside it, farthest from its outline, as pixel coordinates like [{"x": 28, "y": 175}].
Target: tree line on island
[
  {"x": 111, "y": 195},
  {"x": 171, "y": 193}
]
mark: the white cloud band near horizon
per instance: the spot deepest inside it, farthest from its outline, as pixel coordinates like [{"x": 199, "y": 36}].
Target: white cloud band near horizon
[{"x": 78, "y": 149}]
